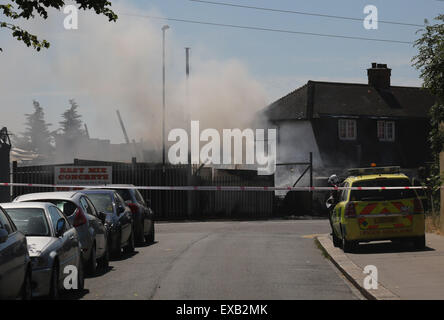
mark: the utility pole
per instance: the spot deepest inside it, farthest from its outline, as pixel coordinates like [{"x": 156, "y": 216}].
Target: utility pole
[
  {"x": 187, "y": 88},
  {"x": 164, "y": 28}
]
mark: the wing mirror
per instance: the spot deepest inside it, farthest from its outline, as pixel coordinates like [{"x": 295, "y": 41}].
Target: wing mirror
[
  {"x": 102, "y": 216},
  {"x": 60, "y": 227},
  {"x": 120, "y": 209},
  {"x": 3, "y": 235}
]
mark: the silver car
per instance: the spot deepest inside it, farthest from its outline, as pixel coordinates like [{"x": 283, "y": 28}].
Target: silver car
[
  {"x": 53, "y": 246},
  {"x": 89, "y": 224}
]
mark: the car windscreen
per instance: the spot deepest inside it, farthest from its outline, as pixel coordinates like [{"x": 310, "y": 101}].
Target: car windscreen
[
  {"x": 382, "y": 195},
  {"x": 30, "y": 221},
  {"x": 102, "y": 201},
  {"x": 125, "y": 194},
  {"x": 67, "y": 207}
]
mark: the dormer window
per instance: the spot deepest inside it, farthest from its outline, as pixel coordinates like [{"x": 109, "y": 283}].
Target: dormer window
[
  {"x": 386, "y": 131},
  {"x": 347, "y": 129}
]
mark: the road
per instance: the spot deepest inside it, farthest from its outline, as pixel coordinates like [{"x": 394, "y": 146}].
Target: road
[{"x": 225, "y": 260}]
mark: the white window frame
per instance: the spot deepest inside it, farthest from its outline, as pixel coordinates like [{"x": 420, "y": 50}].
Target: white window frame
[
  {"x": 386, "y": 131},
  {"x": 350, "y": 127}
]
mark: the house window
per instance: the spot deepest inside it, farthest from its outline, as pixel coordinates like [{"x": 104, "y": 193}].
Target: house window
[
  {"x": 386, "y": 130},
  {"x": 347, "y": 129}
]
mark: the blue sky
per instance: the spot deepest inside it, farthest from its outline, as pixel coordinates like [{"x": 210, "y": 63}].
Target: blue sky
[
  {"x": 284, "y": 56},
  {"x": 105, "y": 66}
]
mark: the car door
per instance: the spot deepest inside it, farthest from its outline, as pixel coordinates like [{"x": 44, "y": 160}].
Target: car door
[
  {"x": 96, "y": 224},
  {"x": 147, "y": 216},
  {"x": 68, "y": 242},
  {"x": 338, "y": 210},
  {"x": 124, "y": 218},
  {"x": 13, "y": 259}
]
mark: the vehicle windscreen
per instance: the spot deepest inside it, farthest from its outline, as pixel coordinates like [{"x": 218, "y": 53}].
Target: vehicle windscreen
[
  {"x": 102, "y": 201},
  {"x": 67, "y": 207},
  {"x": 382, "y": 195},
  {"x": 31, "y": 221},
  {"x": 125, "y": 194}
]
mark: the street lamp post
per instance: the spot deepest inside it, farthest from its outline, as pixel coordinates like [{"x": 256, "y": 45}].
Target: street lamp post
[{"x": 164, "y": 28}]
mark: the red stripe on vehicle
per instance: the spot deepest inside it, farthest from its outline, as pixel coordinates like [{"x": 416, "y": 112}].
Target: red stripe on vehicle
[{"x": 369, "y": 208}]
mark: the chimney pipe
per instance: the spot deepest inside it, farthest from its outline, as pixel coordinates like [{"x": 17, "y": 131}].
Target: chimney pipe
[{"x": 379, "y": 76}]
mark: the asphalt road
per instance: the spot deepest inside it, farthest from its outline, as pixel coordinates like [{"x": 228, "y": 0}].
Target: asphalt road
[{"x": 225, "y": 260}]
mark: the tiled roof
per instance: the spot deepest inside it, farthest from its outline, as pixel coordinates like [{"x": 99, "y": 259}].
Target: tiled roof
[{"x": 319, "y": 99}]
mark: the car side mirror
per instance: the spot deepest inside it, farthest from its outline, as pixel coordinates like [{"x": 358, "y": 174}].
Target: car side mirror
[
  {"x": 102, "y": 216},
  {"x": 120, "y": 209},
  {"x": 3, "y": 235},
  {"x": 60, "y": 227}
]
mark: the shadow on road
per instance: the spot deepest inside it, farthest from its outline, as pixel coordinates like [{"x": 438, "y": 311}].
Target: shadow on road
[
  {"x": 387, "y": 247},
  {"x": 99, "y": 273},
  {"x": 146, "y": 244},
  {"x": 74, "y": 294}
]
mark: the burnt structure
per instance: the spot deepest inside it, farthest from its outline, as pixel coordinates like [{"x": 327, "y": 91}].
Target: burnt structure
[
  {"x": 353, "y": 125},
  {"x": 5, "y": 149}
]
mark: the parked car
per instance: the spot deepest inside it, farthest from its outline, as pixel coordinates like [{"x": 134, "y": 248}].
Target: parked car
[
  {"x": 143, "y": 215},
  {"x": 15, "y": 263},
  {"x": 82, "y": 214},
  {"x": 53, "y": 245},
  {"x": 119, "y": 220}
]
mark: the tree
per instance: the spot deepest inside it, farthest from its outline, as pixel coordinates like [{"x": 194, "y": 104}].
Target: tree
[
  {"x": 26, "y": 9},
  {"x": 71, "y": 125},
  {"x": 37, "y": 137},
  {"x": 430, "y": 63}
]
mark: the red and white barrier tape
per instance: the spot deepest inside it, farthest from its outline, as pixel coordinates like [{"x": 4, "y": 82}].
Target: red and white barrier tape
[{"x": 207, "y": 188}]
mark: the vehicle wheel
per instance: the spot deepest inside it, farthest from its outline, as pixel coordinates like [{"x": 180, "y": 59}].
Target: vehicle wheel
[
  {"x": 129, "y": 248},
  {"x": 54, "y": 291},
  {"x": 348, "y": 246},
  {"x": 419, "y": 242},
  {"x": 141, "y": 236},
  {"x": 27, "y": 286},
  {"x": 80, "y": 277},
  {"x": 103, "y": 262},
  {"x": 151, "y": 236},
  {"x": 92, "y": 263},
  {"x": 336, "y": 240}
]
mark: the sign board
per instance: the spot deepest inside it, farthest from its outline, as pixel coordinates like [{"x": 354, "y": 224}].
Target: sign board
[{"x": 82, "y": 175}]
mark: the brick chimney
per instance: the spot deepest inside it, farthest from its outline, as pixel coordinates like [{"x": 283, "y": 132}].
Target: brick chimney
[{"x": 379, "y": 76}]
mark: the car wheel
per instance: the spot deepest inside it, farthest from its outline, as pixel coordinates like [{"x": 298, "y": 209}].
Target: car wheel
[
  {"x": 419, "y": 242},
  {"x": 141, "y": 236},
  {"x": 27, "y": 286},
  {"x": 129, "y": 248},
  {"x": 92, "y": 263},
  {"x": 348, "y": 246},
  {"x": 151, "y": 236},
  {"x": 104, "y": 261},
  {"x": 336, "y": 240},
  {"x": 80, "y": 277},
  {"x": 54, "y": 291}
]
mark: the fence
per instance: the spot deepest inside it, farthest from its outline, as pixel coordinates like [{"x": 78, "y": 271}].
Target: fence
[{"x": 172, "y": 205}]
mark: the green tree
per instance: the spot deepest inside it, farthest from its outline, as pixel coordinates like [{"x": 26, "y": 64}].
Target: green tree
[
  {"x": 430, "y": 63},
  {"x": 16, "y": 10},
  {"x": 71, "y": 125},
  {"x": 37, "y": 136}
]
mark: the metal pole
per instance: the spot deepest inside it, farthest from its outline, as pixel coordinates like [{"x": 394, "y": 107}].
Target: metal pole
[
  {"x": 164, "y": 28},
  {"x": 311, "y": 182}
]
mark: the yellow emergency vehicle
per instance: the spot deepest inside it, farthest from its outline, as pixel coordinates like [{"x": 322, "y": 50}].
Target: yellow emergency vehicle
[{"x": 363, "y": 215}]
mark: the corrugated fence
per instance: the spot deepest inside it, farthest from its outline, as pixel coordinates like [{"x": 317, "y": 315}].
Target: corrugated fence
[{"x": 173, "y": 205}]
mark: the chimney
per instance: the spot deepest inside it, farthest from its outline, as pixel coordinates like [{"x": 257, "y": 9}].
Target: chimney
[{"x": 379, "y": 76}]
